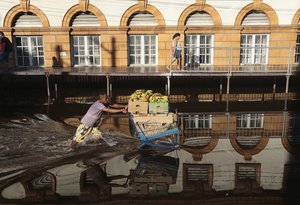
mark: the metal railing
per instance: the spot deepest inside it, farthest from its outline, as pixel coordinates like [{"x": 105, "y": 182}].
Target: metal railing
[{"x": 238, "y": 59}]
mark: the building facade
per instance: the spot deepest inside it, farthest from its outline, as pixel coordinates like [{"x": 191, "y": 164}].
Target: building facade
[{"x": 214, "y": 35}]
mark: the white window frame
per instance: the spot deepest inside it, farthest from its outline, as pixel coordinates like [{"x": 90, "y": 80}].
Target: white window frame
[
  {"x": 297, "y": 50},
  {"x": 248, "y": 50},
  {"x": 244, "y": 121},
  {"x": 142, "y": 54},
  {"x": 198, "y": 121},
  {"x": 86, "y": 54},
  {"x": 190, "y": 47},
  {"x": 30, "y": 51}
]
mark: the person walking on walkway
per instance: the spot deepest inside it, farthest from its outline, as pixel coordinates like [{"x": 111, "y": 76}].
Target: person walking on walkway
[
  {"x": 87, "y": 130},
  {"x": 175, "y": 51}
]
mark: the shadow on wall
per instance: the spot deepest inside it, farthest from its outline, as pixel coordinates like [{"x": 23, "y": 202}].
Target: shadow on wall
[
  {"x": 112, "y": 51},
  {"x": 56, "y": 60}
]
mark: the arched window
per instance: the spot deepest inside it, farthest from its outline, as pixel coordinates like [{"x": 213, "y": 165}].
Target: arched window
[
  {"x": 199, "y": 18},
  {"x": 142, "y": 19},
  {"x": 26, "y": 20},
  {"x": 256, "y": 18},
  {"x": 84, "y": 19},
  {"x": 85, "y": 48}
]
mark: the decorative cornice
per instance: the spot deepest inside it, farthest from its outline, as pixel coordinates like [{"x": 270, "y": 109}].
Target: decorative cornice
[
  {"x": 201, "y": 2},
  {"x": 143, "y": 4},
  {"x": 83, "y": 5},
  {"x": 25, "y": 5},
  {"x": 257, "y": 4}
]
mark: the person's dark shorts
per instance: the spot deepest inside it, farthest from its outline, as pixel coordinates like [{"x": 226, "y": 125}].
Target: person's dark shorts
[
  {"x": 4, "y": 57},
  {"x": 177, "y": 54}
]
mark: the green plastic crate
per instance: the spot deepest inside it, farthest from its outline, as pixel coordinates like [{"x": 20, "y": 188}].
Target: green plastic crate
[{"x": 158, "y": 108}]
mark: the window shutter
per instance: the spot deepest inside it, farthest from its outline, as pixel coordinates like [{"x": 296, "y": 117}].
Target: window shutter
[
  {"x": 142, "y": 19},
  {"x": 199, "y": 19},
  {"x": 246, "y": 172},
  {"x": 197, "y": 174},
  {"x": 27, "y": 20},
  {"x": 197, "y": 141},
  {"x": 256, "y": 18},
  {"x": 248, "y": 141},
  {"x": 85, "y": 19}
]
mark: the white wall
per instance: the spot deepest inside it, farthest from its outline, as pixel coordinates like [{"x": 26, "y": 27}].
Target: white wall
[
  {"x": 54, "y": 10},
  {"x": 5, "y": 6},
  {"x": 171, "y": 10}
]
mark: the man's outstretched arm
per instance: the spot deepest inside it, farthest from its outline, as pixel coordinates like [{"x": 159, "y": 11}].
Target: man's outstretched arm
[
  {"x": 111, "y": 110},
  {"x": 118, "y": 106}
]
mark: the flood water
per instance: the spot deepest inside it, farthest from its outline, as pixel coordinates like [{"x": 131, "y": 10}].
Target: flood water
[{"x": 241, "y": 148}]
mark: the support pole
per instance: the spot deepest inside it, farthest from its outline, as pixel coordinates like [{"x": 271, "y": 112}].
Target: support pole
[
  {"x": 228, "y": 125},
  {"x": 274, "y": 89},
  {"x": 221, "y": 90},
  {"x": 56, "y": 95},
  {"x": 286, "y": 91},
  {"x": 168, "y": 86},
  {"x": 227, "y": 92},
  {"x": 284, "y": 124},
  {"x": 48, "y": 84},
  {"x": 107, "y": 85}
]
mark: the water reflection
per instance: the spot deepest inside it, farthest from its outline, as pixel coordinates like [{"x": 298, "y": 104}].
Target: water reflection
[{"x": 227, "y": 155}]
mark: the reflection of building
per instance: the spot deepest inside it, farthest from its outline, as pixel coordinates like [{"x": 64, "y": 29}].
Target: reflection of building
[{"x": 236, "y": 154}]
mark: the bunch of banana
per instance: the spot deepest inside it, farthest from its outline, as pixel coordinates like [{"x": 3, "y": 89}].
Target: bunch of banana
[
  {"x": 158, "y": 98},
  {"x": 141, "y": 95}
]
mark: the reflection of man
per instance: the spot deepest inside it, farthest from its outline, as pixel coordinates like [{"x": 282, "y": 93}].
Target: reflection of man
[
  {"x": 87, "y": 130},
  {"x": 5, "y": 48}
]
